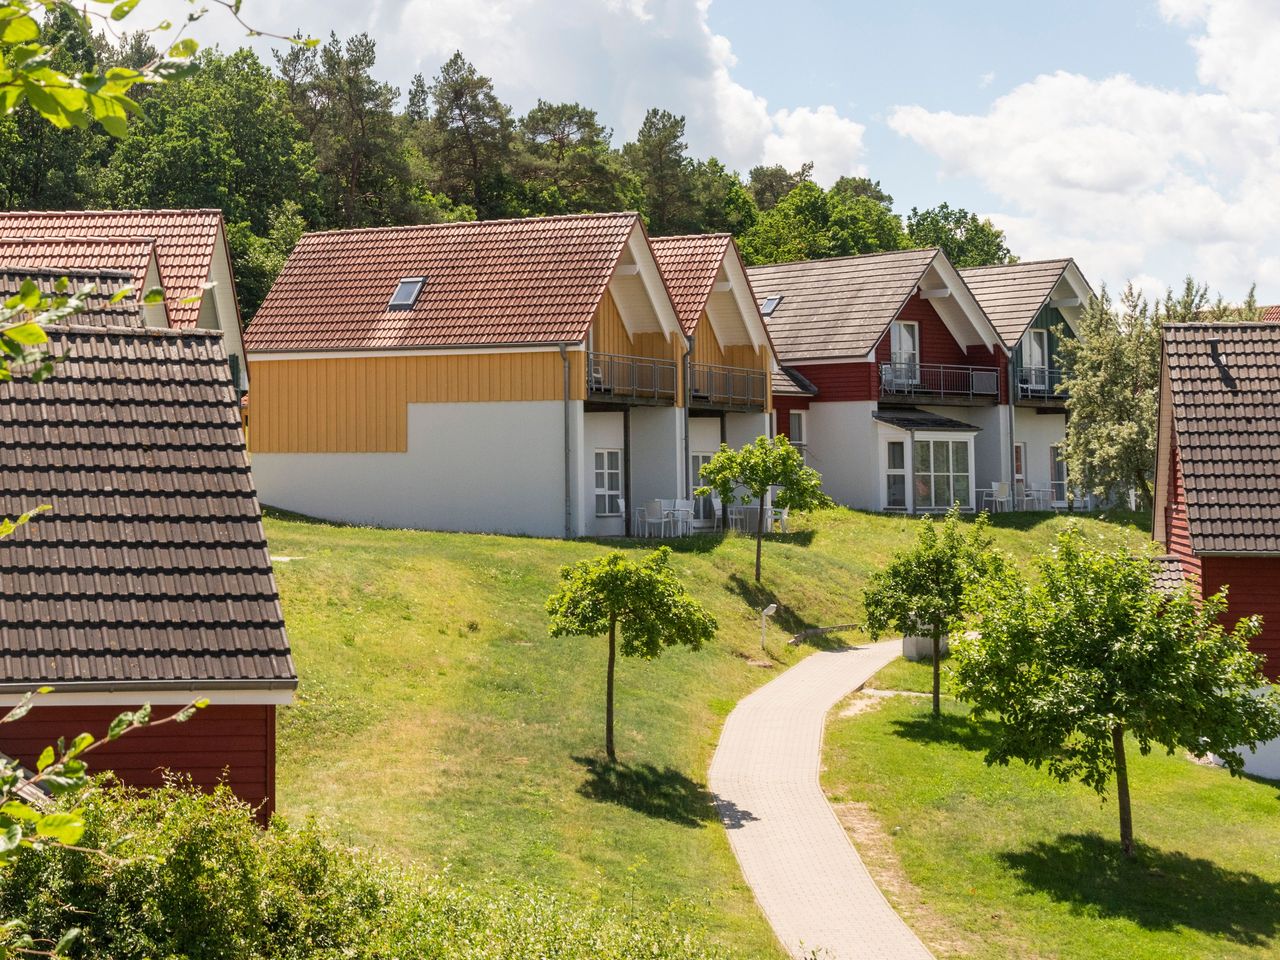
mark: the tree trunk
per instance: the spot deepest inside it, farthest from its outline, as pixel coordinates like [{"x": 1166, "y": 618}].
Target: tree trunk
[
  {"x": 759, "y": 536},
  {"x": 1122, "y": 791},
  {"x": 937, "y": 670},
  {"x": 608, "y": 694}
]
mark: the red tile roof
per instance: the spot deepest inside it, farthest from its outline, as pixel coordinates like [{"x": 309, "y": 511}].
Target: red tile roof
[
  {"x": 689, "y": 265},
  {"x": 133, "y": 256},
  {"x": 495, "y": 282},
  {"x": 1270, "y": 314},
  {"x": 185, "y": 243}
]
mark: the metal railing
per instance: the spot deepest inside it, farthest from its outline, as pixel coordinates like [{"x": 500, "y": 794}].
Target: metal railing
[
  {"x": 1038, "y": 383},
  {"x": 713, "y": 385},
  {"x": 939, "y": 381},
  {"x": 630, "y": 378}
]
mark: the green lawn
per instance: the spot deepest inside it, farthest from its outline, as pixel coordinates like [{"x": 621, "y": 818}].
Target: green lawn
[
  {"x": 436, "y": 720},
  {"x": 1005, "y": 862}
]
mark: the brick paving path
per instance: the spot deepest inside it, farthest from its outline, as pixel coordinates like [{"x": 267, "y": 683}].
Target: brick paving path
[{"x": 793, "y": 851}]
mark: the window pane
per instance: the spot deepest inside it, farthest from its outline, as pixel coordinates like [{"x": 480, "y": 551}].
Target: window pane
[
  {"x": 796, "y": 428},
  {"x": 615, "y": 459},
  {"x": 941, "y": 491},
  {"x": 959, "y": 457},
  {"x": 614, "y": 507},
  {"x": 897, "y": 453},
  {"x": 922, "y": 464},
  {"x": 615, "y": 482},
  {"x": 924, "y": 491},
  {"x": 601, "y": 504},
  {"x": 961, "y": 489},
  {"x": 897, "y": 490},
  {"x": 599, "y": 479},
  {"x": 599, "y": 459},
  {"x": 941, "y": 456}
]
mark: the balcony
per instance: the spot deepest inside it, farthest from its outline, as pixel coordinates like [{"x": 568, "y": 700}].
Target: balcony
[
  {"x": 939, "y": 383},
  {"x": 1038, "y": 386},
  {"x": 726, "y": 388},
  {"x": 630, "y": 380}
]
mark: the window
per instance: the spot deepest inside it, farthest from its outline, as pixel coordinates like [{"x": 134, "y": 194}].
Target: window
[
  {"x": 406, "y": 293},
  {"x": 1035, "y": 359},
  {"x": 770, "y": 304},
  {"x": 608, "y": 483},
  {"x": 940, "y": 471},
  {"x": 904, "y": 343},
  {"x": 795, "y": 428},
  {"x": 896, "y": 475},
  {"x": 702, "y": 508},
  {"x": 1057, "y": 474}
]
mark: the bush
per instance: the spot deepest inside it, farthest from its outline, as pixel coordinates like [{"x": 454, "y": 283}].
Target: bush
[{"x": 188, "y": 874}]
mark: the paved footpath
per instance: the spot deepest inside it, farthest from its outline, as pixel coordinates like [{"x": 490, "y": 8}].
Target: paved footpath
[{"x": 794, "y": 853}]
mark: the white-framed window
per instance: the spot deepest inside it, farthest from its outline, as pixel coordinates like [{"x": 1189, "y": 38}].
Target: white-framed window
[
  {"x": 1057, "y": 474},
  {"x": 1035, "y": 359},
  {"x": 904, "y": 346},
  {"x": 942, "y": 473},
  {"x": 702, "y": 507},
  {"x": 608, "y": 471},
  {"x": 795, "y": 428},
  {"x": 895, "y": 475}
]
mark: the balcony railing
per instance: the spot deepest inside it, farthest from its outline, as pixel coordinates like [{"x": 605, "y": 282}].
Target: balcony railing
[
  {"x": 1038, "y": 383},
  {"x": 640, "y": 379},
  {"x": 939, "y": 381},
  {"x": 711, "y": 385}
]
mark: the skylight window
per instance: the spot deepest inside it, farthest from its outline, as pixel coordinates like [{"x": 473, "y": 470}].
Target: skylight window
[
  {"x": 770, "y": 305},
  {"x": 406, "y": 294}
]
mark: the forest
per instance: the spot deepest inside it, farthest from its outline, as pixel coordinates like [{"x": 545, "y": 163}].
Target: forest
[{"x": 313, "y": 141}]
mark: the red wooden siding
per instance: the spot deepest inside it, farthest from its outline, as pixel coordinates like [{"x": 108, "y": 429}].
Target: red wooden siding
[
  {"x": 784, "y": 406},
  {"x": 237, "y": 739},
  {"x": 938, "y": 346},
  {"x": 850, "y": 380},
  {"x": 1177, "y": 533},
  {"x": 1253, "y": 591}
]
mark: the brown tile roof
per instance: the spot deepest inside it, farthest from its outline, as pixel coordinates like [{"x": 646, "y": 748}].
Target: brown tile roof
[
  {"x": 133, "y": 256},
  {"x": 185, "y": 244},
  {"x": 1012, "y": 294},
  {"x": 838, "y": 307},
  {"x": 1167, "y": 573},
  {"x": 1225, "y": 391},
  {"x": 1270, "y": 314},
  {"x": 496, "y": 282},
  {"x": 151, "y": 568},
  {"x": 99, "y": 311},
  {"x": 689, "y": 265}
]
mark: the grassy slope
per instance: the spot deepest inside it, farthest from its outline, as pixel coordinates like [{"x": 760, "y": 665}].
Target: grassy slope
[
  {"x": 1006, "y": 862},
  {"x": 436, "y": 719}
]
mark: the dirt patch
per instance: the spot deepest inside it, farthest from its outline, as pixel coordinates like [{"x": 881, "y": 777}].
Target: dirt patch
[
  {"x": 754, "y": 661},
  {"x": 860, "y": 703}
]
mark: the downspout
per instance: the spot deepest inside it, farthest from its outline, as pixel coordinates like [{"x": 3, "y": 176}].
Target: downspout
[
  {"x": 1013, "y": 443},
  {"x": 688, "y": 398},
  {"x": 568, "y": 454}
]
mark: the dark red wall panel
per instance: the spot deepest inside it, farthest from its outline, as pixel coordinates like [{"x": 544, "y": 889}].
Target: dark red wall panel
[
  {"x": 1253, "y": 582},
  {"x": 853, "y": 380},
  {"x": 938, "y": 346},
  {"x": 1177, "y": 533}
]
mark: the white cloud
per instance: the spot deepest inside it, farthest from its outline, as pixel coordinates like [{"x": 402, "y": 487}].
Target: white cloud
[
  {"x": 1133, "y": 179},
  {"x": 620, "y": 57}
]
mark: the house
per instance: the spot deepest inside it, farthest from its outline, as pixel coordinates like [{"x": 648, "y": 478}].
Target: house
[
  {"x": 148, "y": 580},
  {"x": 192, "y": 258},
  {"x": 1033, "y": 305},
  {"x": 730, "y": 361},
  {"x": 1217, "y": 502},
  {"x": 513, "y": 376},
  {"x": 896, "y": 376}
]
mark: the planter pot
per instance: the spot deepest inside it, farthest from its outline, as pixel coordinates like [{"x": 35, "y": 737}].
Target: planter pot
[{"x": 921, "y": 648}]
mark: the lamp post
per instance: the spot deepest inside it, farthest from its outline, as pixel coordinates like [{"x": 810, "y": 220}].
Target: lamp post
[{"x": 765, "y": 614}]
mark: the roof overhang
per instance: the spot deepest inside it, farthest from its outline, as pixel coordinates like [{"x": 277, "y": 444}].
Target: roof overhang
[
  {"x": 1164, "y": 452},
  {"x": 640, "y": 292},
  {"x": 169, "y": 693},
  {"x": 1070, "y": 296}
]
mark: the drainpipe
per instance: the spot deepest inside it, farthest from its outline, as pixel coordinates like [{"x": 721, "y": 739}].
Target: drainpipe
[
  {"x": 688, "y": 398},
  {"x": 568, "y": 456},
  {"x": 1013, "y": 443}
]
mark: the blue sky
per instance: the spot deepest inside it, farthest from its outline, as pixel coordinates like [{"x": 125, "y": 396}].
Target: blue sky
[{"x": 1140, "y": 136}]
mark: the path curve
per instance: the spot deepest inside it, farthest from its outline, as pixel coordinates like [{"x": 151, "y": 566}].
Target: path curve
[{"x": 797, "y": 858}]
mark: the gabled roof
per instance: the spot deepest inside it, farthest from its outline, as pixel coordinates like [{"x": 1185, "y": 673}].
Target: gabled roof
[
  {"x": 489, "y": 283},
  {"x": 151, "y": 568},
  {"x": 99, "y": 310},
  {"x": 185, "y": 242},
  {"x": 790, "y": 382},
  {"x": 1012, "y": 294},
  {"x": 1270, "y": 314},
  {"x": 133, "y": 256},
  {"x": 840, "y": 308},
  {"x": 689, "y": 265},
  {"x": 1222, "y": 388}
]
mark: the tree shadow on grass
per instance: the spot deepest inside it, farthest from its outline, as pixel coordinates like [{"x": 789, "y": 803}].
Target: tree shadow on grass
[
  {"x": 962, "y": 731},
  {"x": 660, "y": 792},
  {"x": 1159, "y": 890},
  {"x": 757, "y": 596}
]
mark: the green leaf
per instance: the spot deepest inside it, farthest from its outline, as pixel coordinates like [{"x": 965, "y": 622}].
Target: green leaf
[
  {"x": 46, "y": 757},
  {"x": 17, "y": 27},
  {"x": 27, "y": 334},
  {"x": 123, "y": 9},
  {"x": 152, "y": 296},
  {"x": 119, "y": 725},
  {"x": 64, "y": 828},
  {"x": 17, "y": 810},
  {"x": 10, "y": 837},
  {"x": 122, "y": 293},
  {"x": 66, "y": 942},
  {"x": 184, "y": 49}
]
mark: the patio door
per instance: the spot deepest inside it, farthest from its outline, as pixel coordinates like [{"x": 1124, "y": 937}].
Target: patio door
[
  {"x": 1035, "y": 360},
  {"x": 1019, "y": 471},
  {"x": 1057, "y": 475},
  {"x": 703, "y": 511},
  {"x": 904, "y": 345}
]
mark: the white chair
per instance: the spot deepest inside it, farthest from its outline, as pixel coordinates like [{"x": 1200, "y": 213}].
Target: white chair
[
  {"x": 996, "y": 497},
  {"x": 650, "y": 516},
  {"x": 778, "y": 518},
  {"x": 682, "y": 517},
  {"x": 716, "y": 512},
  {"x": 737, "y": 517}
]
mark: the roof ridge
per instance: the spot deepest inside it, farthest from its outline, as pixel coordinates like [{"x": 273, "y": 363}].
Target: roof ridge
[
  {"x": 402, "y": 228},
  {"x": 721, "y": 235},
  {"x": 1020, "y": 263},
  {"x": 86, "y": 238},
  {"x": 15, "y": 214},
  {"x": 170, "y": 333},
  {"x": 56, "y": 272},
  {"x": 1201, "y": 325},
  {"x": 851, "y": 256}
]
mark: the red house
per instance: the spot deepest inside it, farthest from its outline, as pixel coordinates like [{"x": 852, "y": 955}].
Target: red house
[
  {"x": 149, "y": 579},
  {"x": 896, "y": 378},
  {"x": 1217, "y": 492}
]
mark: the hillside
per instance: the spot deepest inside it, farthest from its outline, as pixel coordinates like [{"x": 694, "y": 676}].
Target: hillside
[{"x": 435, "y": 719}]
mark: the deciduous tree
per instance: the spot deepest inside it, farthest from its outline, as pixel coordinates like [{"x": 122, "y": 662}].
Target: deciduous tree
[
  {"x": 566, "y": 164},
  {"x": 1089, "y": 652},
  {"x": 642, "y": 604},
  {"x": 811, "y": 224},
  {"x": 967, "y": 239}
]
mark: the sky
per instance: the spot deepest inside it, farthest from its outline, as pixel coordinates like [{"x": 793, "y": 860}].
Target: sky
[{"x": 1141, "y": 137}]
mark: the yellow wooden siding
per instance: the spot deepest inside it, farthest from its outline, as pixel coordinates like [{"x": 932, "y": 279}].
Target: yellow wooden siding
[{"x": 361, "y": 405}]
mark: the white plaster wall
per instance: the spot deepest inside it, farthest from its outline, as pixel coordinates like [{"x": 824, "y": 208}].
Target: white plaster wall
[
  {"x": 842, "y": 446},
  {"x": 600, "y": 431},
  {"x": 479, "y": 467},
  {"x": 657, "y": 454},
  {"x": 704, "y": 436},
  {"x": 743, "y": 428},
  {"x": 1039, "y": 432}
]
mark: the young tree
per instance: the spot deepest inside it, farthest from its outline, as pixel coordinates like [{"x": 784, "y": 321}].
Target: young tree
[
  {"x": 750, "y": 473},
  {"x": 967, "y": 239},
  {"x": 646, "y": 600},
  {"x": 1091, "y": 651},
  {"x": 921, "y": 592}
]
